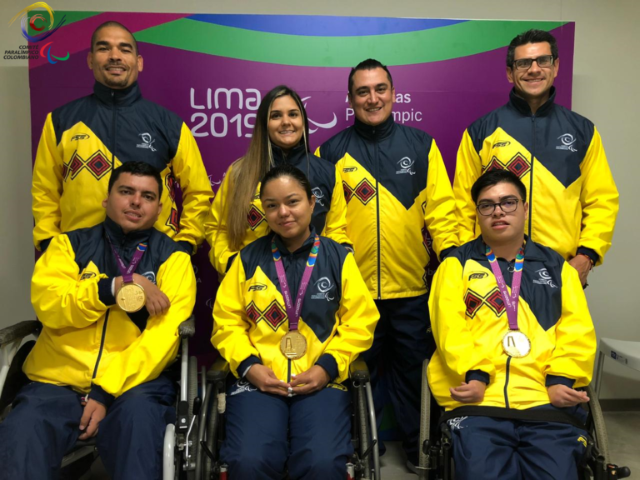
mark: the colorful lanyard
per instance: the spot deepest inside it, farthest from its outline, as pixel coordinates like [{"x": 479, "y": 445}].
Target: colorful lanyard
[
  {"x": 294, "y": 312},
  {"x": 127, "y": 272},
  {"x": 510, "y": 302}
]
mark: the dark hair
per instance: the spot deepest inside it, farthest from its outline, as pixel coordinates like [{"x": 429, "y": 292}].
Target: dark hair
[
  {"x": 287, "y": 170},
  {"x": 531, "y": 36},
  {"x": 494, "y": 177},
  {"x": 140, "y": 169},
  {"x": 112, "y": 23},
  {"x": 368, "y": 64}
]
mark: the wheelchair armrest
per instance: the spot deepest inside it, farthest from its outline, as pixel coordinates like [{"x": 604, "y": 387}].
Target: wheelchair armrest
[
  {"x": 218, "y": 371},
  {"x": 359, "y": 371},
  {"x": 19, "y": 330},
  {"x": 187, "y": 328}
]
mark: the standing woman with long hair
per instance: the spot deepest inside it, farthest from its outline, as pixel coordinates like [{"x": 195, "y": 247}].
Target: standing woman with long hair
[{"x": 280, "y": 136}]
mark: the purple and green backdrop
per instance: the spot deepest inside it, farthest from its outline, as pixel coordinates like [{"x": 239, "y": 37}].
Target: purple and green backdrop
[{"x": 213, "y": 69}]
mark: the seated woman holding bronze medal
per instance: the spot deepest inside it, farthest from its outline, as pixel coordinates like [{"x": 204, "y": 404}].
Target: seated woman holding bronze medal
[
  {"x": 290, "y": 316},
  {"x": 514, "y": 339}
]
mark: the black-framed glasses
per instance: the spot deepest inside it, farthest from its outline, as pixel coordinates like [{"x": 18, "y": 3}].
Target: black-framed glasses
[
  {"x": 507, "y": 205},
  {"x": 544, "y": 61}
]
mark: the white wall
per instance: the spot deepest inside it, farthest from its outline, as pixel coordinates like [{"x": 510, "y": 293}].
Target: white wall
[{"x": 606, "y": 72}]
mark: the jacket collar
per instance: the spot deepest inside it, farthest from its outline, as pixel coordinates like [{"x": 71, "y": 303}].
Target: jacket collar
[
  {"x": 124, "y": 240},
  {"x": 375, "y": 133},
  {"x": 121, "y": 98},
  {"x": 523, "y": 107},
  {"x": 531, "y": 250},
  {"x": 305, "y": 248},
  {"x": 294, "y": 157}
]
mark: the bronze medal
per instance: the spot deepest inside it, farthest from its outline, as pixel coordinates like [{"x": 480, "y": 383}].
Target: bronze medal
[
  {"x": 131, "y": 297},
  {"x": 516, "y": 344},
  {"x": 293, "y": 345}
]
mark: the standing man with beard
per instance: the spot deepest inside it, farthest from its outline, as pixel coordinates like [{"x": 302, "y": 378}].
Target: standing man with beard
[
  {"x": 396, "y": 188},
  {"x": 84, "y": 140},
  {"x": 558, "y": 155}
]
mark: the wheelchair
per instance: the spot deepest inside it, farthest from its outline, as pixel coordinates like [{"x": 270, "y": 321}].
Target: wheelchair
[
  {"x": 179, "y": 458},
  {"x": 436, "y": 455},
  {"x": 210, "y": 408}
]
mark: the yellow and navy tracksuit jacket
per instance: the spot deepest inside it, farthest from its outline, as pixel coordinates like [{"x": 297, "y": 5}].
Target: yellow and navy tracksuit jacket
[
  {"x": 87, "y": 341},
  {"x": 84, "y": 140},
  {"x": 329, "y": 214},
  {"x": 469, "y": 320},
  {"x": 249, "y": 316},
  {"x": 558, "y": 155},
  {"x": 396, "y": 187}
]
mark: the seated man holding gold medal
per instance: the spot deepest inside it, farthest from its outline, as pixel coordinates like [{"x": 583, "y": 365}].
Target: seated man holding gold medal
[
  {"x": 514, "y": 340},
  {"x": 290, "y": 316},
  {"x": 110, "y": 299}
]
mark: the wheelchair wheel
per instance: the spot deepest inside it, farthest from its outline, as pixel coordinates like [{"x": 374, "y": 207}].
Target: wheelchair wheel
[
  {"x": 211, "y": 433},
  {"x": 600, "y": 430},
  {"x": 364, "y": 431}
]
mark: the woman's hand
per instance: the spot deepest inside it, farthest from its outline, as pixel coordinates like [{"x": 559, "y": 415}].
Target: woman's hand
[
  {"x": 265, "y": 380},
  {"x": 314, "y": 379}
]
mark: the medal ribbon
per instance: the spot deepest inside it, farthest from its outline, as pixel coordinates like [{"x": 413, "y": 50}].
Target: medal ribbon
[
  {"x": 294, "y": 312},
  {"x": 127, "y": 272},
  {"x": 510, "y": 301}
]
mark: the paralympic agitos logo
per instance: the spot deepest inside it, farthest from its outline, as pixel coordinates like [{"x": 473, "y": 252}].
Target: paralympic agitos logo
[{"x": 38, "y": 23}]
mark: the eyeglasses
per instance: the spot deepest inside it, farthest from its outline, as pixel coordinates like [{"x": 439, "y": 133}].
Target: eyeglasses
[
  {"x": 545, "y": 61},
  {"x": 507, "y": 205}
]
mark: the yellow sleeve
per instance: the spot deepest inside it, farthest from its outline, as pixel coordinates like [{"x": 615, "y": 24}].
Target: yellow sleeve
[
  {"x": 575, "y": 350},
  {"x": 47, "y": 186},
  {"x": 216, "y": 228},
  {"x": 59, "y": 298},
  {"x": 336, "y": 223},
  {"x": 357, "y": 318},
  {"x": 454, "y": 340},
  {"x": 599, "y": 199},
  {"x": 468, "y": 170},
  {"x": 196, "y": 189},
  {"x": 439, "y": 214},
  {"x": 158, "y": 344},
  {"x": 230, "y": 325}
]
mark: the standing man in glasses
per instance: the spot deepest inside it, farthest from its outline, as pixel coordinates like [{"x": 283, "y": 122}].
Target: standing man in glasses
[{"x": 558, "y": 155}]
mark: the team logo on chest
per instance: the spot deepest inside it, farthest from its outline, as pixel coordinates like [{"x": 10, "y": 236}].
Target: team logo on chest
[
  {"x": 147, "y": 142},
  {"x": 406, "y": 166},
  {"x": 567, "y": 141},
  {"x": 318, "y": 194},
  {"x": 544, "y": 278},
  {"x": 323, "y": 287}
]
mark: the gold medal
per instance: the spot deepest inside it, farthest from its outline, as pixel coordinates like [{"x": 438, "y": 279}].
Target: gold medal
[
  {"x": 516, "y": 344},
  {"x": 131, "y": 297},
  {"x": 293, "y": 345}
]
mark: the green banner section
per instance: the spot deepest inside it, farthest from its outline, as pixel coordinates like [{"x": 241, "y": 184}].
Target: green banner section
[{"x": 460, "y": 40}]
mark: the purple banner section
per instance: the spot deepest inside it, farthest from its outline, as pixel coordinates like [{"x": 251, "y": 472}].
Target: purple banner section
[{"x": 218, "y": 97}]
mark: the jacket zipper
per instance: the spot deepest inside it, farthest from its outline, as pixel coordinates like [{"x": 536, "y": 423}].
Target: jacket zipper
[
  {"x": 104, "y": 334},
  {"x": 377, "y": 174},
  {"x": 506, "y": 384},
  {"x": 288, "y": 370},
  {"x": 533, "y": 125},
  {"x": 113, "y": 133}
]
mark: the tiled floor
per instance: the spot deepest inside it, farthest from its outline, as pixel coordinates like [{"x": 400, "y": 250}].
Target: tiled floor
[{"x": 623, "y": 429}]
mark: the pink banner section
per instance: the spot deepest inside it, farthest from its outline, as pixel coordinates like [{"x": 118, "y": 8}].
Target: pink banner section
[{"x": 84, "y": 28}]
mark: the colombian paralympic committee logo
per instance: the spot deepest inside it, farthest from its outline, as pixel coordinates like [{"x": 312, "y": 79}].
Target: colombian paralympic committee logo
[{"x": 38, "y": 23}]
